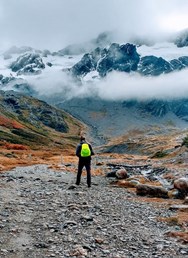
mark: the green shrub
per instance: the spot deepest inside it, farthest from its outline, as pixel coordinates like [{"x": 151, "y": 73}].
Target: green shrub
[
  {"x": 185, "y": 142},
  {"x": 159, "y": 154}
]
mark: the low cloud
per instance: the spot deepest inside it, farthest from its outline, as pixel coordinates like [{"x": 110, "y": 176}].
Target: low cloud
[
  {"x": 116, "y": 86},
  {"x": 58, "y": 85},
  {"x": 121, "y": 86}
]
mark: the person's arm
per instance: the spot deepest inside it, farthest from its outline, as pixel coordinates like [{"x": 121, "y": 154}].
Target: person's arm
[
  {"x": 78, "y": 150},
  {"x": 92, "y": 152}
]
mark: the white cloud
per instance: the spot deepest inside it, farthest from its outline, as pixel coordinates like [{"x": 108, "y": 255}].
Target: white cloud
[
  {"x": 116, "y": 86},
  {"x": 54, "y": 24},
  {"x": 122, "y": 86}
]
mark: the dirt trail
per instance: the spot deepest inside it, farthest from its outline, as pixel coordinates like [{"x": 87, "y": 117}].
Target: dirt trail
[{"x": 42, "y": 214}]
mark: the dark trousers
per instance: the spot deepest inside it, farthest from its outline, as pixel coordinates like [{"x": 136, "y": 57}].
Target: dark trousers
[{"x": 84, "y": 162}]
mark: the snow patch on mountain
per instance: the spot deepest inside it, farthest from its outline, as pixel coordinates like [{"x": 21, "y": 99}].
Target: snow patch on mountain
[
  {"x": 166, "y": 50},
  {"x": 53, "y": 79}
]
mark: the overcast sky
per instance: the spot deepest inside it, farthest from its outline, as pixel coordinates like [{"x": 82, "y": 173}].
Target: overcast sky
[{"x": 53, "y": 24}]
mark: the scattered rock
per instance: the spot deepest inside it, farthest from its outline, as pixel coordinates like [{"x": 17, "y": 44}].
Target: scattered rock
[
  {"x": 182, "y": 185},
  {"x": 174, "y": 194},
  {"x": 121, "y": 173},
  {"x": 99, "y": 240},
  {"x": 71, "y": 187},
  {"x": 78, "y": 251},
  {"x": 180, "y": 207},
  {"x": 128, "y": 184},
  {"x": 150, "y": 190},
  {"x": 111, "y": 174},
  {"x": 186, "y": 200},
  {"x": 45, "y": 219}
]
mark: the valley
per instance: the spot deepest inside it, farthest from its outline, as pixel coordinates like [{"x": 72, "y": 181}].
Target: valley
[
  {"x": 114, "y": 73},
  {"x": 129, "y": 101}
]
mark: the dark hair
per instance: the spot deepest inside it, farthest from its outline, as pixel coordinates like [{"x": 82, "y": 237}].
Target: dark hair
[{"x": 82, "y": 138}]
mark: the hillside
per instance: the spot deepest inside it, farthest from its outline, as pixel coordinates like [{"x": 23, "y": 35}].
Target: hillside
[
  {"x": 32, "y": 127},
  {"x": 114, "y": 119}
]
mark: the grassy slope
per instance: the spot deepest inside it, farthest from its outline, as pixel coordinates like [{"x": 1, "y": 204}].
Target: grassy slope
[{"x": 21, "y": 137}]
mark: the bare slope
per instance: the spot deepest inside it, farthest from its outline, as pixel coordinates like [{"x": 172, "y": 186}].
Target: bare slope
[{"x": 113, "y": 119}]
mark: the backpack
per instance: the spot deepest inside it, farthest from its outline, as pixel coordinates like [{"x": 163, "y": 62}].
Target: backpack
[{"x": 85, "y": 150}]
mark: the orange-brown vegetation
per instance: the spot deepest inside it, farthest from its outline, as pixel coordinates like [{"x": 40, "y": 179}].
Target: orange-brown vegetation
[
  {"x": 182, "y": 236},
  {"x": 180, "y": 220},
  {"x": 10, "y": 123},
  {"x": 12, "y": 146},
  {"x": 59, "y": 159},
  {"x": 126, "y": 184},
  {"x": 19, "y": 155}
]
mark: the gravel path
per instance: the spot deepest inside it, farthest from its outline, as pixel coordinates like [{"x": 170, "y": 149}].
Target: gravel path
[{"x": 42, "y": 214}]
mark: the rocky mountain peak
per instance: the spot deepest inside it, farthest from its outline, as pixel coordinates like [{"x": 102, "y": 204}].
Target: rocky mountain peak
[{"x": 28, "y": 63}]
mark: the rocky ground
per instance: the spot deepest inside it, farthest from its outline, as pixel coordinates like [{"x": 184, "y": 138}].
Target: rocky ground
[{"x": 42, "y": 214}]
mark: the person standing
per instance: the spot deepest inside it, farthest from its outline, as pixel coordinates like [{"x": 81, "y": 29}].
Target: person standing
[{"x": 84, "y": 152}]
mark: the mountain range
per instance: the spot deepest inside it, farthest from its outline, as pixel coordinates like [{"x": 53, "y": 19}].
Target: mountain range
[{"x": 62, "y": 79}]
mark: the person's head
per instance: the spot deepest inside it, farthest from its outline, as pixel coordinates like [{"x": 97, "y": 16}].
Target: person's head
[{"x": 82, "y": 138}]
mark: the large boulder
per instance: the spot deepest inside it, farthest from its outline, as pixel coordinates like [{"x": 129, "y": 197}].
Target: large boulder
[
  {"x": 182, "y": 185},
  {"x": 122, "y": 173},
  {"x": 152, "y": 191},
  {"x": 119, "y": 174}
]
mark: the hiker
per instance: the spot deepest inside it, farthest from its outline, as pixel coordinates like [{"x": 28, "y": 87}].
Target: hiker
[{"x": 84, "y": 152}]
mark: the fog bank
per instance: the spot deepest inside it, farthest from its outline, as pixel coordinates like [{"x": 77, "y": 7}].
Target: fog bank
[{"x": 116, "y": 86}]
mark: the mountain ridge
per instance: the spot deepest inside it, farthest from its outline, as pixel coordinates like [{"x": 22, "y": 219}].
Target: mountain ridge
[
  {"x": 32, "y": 122},
  {"x": 37, "y": 67}
]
